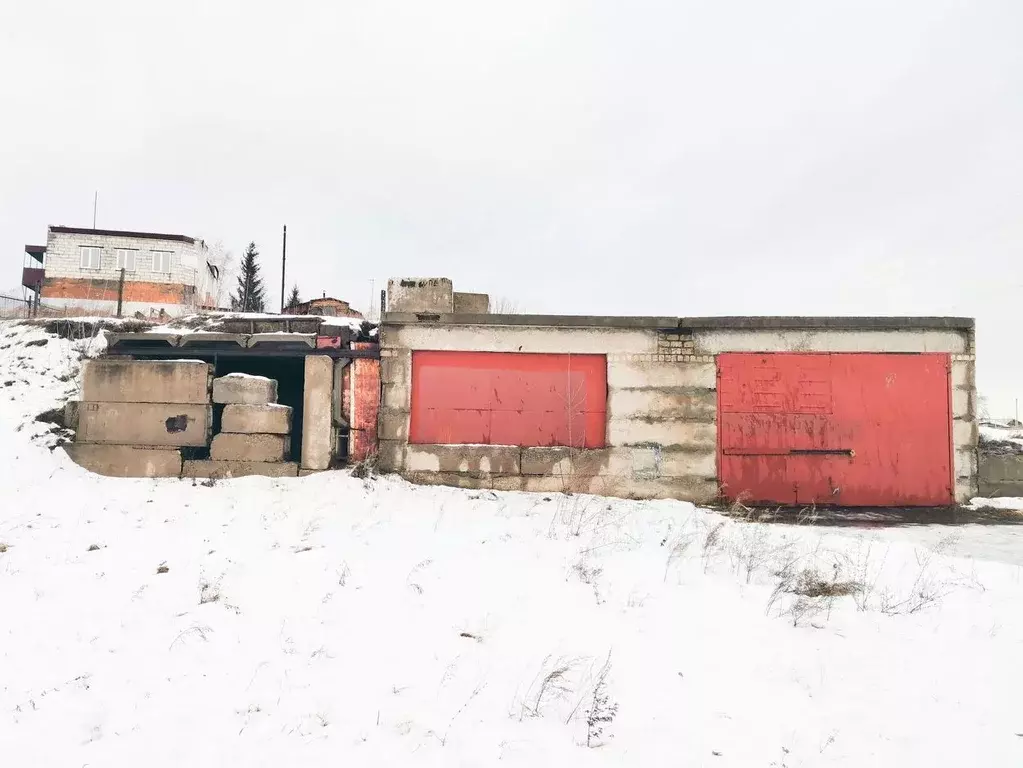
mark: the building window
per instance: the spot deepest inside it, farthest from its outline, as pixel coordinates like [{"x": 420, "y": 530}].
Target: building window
[
  {"x": 92, "y": 257},
  {"x": 126, "y": 259},
  {"x": 162, "y": 261}
]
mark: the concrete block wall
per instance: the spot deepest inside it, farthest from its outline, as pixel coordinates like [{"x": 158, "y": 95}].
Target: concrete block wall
[
  {"x": 1000, "y": 475},
  {"x": 255, "y": 431},
  {"x": 662, "y": 399},
  {"x": 653, "y": 378},
  {"x": 431, "y": 295},
  {"x": 137, "y": 415}
]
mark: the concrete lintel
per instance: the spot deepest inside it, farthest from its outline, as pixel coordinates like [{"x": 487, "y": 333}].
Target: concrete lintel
[
  {"x": 202, "y": 337},
  {"x": 172, "y": 339},
  {"x": 308, "y": 339}
]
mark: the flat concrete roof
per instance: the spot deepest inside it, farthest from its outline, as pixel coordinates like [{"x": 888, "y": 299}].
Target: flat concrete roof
[
  {"x": 688, "y": 323},
  {"x": 123, "y": 233}
]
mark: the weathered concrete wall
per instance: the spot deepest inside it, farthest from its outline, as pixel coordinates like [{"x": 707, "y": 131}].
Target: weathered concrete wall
[
  {"x": 833, "y": 340},
  {"x": 228, "y": 446},
  {"x": 149, "y": 424},
  {"x": 244, "y": 389},
  {"x": 270, "y": 419},
  {"x": 126, "y": 460},
  {"x": 432, "y": 295},
  {"x": 471, "y": 303},
  {"x": 662, "y": 410},
  {"x": 662, "y": 399},
  {"x": 226, "y": 469},
  {"x": 1001, "y": 475},
  {"x": 115, "y": 380},
  {"x": 317, "y": 422}
]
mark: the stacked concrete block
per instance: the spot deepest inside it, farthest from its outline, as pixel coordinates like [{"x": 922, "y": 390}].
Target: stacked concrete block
[
  {"x": 136, "y": 415},
  {"x": 244, "y": 389},
  {"x": 255, "y": 431}
]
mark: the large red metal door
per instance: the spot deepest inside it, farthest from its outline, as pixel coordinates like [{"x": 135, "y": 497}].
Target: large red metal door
[
  {"x": 508, "y": 398},
  {"x": 845, "y": 429}
]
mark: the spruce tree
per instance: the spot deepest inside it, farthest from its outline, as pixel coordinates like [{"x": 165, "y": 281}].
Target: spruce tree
[
  {"x": 249, "y": 295},
  {"x": 293, "y": 300}
]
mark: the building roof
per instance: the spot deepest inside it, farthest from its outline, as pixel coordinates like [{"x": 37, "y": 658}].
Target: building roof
[
  {"x": 690, "y": 323},
  {"x": 124, "y": 233},
  {"x": 36, "y": 251}
]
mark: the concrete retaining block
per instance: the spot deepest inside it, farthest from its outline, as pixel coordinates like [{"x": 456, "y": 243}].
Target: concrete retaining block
[
  {"x": 470, "y": 303},
  {"x": 417, "y": 294},
  {"x": 250, "y": 448},
  {"x": 393, "y": 424},
  {"x": 561, "y": 461},
  {"x": 226, "y": 469},
  {"x": 272, "y": 419},
  {"x": 695, "y": 489},
  {"x": 667, "y": 434},
  {"x": 693, "y": 463},
  {"x": 390, "y": 455},
  {"x": 114, "y": 380},
  {"x": 646, "y": 374},
  {"x": 317, "y": 424},
  {"x": 484, "y": 459},
  {"x": 151, "y": 424},
  {"x": 126, "y": 460},
  {"x": 71, "y": 410},
  {"x": 679, "y": 403},
  {"x": 243, "y": 389}
]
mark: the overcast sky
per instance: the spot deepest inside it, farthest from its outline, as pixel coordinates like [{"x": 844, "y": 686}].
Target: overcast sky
[{"x": 572, "y": 156}]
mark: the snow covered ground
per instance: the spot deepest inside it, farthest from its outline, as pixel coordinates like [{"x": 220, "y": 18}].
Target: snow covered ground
[{"x": 337, "y": 621}]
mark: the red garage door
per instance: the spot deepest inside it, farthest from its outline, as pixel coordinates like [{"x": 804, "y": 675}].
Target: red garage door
[
  {"x": 503, "y": 398},
  {"x": 846, "y": 429}
]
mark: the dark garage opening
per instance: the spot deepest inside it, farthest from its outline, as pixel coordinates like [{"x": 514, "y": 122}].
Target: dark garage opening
[{"x": 289, "y": 372}]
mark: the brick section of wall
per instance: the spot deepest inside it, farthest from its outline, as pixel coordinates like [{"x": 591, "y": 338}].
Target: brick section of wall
[
  {"x": 72, "y": 288},
  {"x": 675, "y": 347},
  {"x": 362, "y": 441}
]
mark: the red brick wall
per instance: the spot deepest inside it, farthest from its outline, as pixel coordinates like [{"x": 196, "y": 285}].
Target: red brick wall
[
  {"x": 362, "y": 441},
  {"x": 106, "y": 290}
]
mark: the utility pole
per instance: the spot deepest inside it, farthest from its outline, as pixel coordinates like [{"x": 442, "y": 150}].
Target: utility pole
[
  {"x": 95, "y": 202},
  {"x": 120, "y": 292},
  {"x": 284, "y": 261}
]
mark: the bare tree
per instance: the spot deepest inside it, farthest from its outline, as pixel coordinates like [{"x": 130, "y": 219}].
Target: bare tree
[
  {"x": 502, "y": 305},
  {"x": 214, "y": 276}
]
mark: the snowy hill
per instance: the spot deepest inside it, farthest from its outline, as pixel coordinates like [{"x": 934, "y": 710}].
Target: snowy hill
[{"x": 337, "y": 621}]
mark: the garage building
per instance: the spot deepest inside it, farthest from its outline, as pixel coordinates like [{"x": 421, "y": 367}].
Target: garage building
[{"x": 769, "y": 410}]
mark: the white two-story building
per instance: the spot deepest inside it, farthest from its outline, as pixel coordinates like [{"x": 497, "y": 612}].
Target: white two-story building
[{"x": 80, "y": 269}]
